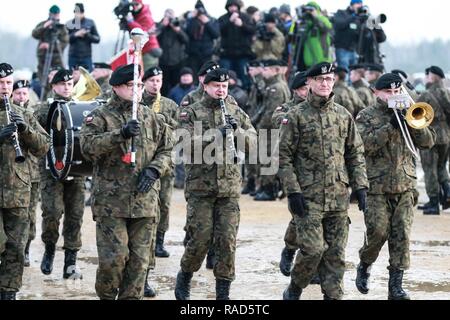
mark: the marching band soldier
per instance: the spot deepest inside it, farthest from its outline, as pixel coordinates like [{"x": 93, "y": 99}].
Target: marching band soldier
[
  {"x": 101, "y": 73},
  {"x": 321, "y": 154},
  {"x": 391, "y": 170},
  {"x": 125, "y": 199},
  {"x": 359, "y": 83},
  {"x": 345, "y": 95},
  {"x": 212, "y": 190},
  {"x": 15, "y": 184},
  {"x": 60, "y": 197},
  {"x": 21, "y": 97},
  {"x": 153, "y": 80}
]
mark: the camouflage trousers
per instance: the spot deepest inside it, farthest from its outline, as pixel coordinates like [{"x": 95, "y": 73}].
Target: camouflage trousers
[
  {"x": 388, "y": 218},
  {"x": 434, "y": 163},
  {"x": 290, "y": 236},
  {"x": 14, "y": 226},
  {"x": 212, "y": 218},
  {"x": 165, "y": 196},
  {"x": 123, "y": 246},
  {"x": 34, "y": 199},
  {"x": 322, "y": 238},
  {"x": 62, "y": 198}
]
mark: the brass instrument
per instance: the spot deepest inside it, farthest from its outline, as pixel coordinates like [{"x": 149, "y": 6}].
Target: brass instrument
[
  {"x": 20, "y": 158},
  {"x": 86, "y": 89}
]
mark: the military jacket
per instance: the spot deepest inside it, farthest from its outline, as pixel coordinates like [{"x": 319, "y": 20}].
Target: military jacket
[
  {"x": 365, "y": 94},
  {"x": 322, "y": 154},
  {"x": 281, "y": 111},
  {"x": 348, "y": 98},
  {"x": 32, "y": 160},
  {"x": 275, "y": 95},
  {"x": 115, "y": 181},
  {"x": 166, "y": 107}
]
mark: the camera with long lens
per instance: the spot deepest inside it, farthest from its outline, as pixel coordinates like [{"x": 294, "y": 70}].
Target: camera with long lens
[
  {"x": 262, "y": 33},
  {"x": 372, "y": 22},
  {"x": 121, "y": 11},
  {"x": 306, "y": 12},
  {"x": 174, "y": 22}
]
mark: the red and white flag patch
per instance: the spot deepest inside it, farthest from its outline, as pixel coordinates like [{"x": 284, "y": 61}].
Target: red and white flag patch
[
  {"x": 89, "y": 119},
  {"x": 285, "y": 121}
]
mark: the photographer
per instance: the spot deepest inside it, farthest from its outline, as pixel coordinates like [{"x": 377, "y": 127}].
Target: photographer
[
  {"x": 370, "y": 37},
  {"x": 202, "y": 31},
  {"x": 51, "y": 34},
  {"x": 237, "y": 31},
  {"x": 270, "y": 42},
  {"x": 141, "y": 17},
  {"x": 83, "y": 33},
  {"x": 172, "y": 40},
  {"x": 312, "y": 37}
]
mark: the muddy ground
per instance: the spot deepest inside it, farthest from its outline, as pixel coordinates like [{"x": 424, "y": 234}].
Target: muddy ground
[{"x": 260, "y": 242}]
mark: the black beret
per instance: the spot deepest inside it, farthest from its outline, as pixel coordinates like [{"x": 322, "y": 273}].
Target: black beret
[
  {"x": 217, "y": 75},
  {"x": 374, "y": 67},
  {"x": 272, "y": 63},
  {"x": 208, "y": 67},
  {"x": 21, "y": 84},
  {"x": 63, "y": 75},
  {"x": 5, "y": 70},
  {"x": 102, "y": 65},
  {"x": 123, "y": 75},
  {"x": 435, "y": 70},
  {"x": 186, "y": 70},
  {"x": 321, "y": 69},
  {"x": 152, "y": 72},
  {"x": 233, "y": 75},
  {"x": 357, "y": 66},
  {"x": 340, "y": 69},
  {"x": 388, "y": 81},
  {"x": 270, "y": 18},
  {"x": 299, "y": 80},
  {"x": 255, "y": 63},
  {"x": 400, "y": 72}
]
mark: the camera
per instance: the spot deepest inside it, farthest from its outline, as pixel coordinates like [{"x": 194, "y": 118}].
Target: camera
[
  {"x": 123, "y": 8},
  {"x": 306, "y": 11},
  {"x": 363, "y": 11},
  {"x": 262, "y": 33},
  {"x": 174, "y": 22},
  {"x": 201, "y": 11}
]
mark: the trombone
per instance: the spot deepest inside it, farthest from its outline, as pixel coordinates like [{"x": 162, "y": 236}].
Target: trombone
[{"x": 418, "y": 116}]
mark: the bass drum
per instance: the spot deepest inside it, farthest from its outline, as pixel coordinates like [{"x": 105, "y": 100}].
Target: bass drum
[{"x": 64, "y": 122}]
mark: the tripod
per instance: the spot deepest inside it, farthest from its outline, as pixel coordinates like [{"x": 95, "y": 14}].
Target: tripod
[
  {"x": 121, "y": 36},
  {"x": 297, "y": 62},
  {"x": 54, "y": 42}
]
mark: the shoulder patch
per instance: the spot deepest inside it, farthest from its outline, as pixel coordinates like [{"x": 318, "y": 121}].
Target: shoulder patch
[
  {"x": 89, "y": 119},
  {"x": 184, "y": 103},
  {"x": 184, "y": 115},
  {"x": 285, "y": 121}
]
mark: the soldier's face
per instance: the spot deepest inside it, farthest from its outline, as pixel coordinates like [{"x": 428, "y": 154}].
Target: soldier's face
[
  {"x": 125, "y": 91},
  {"x": 322, "y": 86},
  {"x": 21, "y": 96},
  {"x": 269, "y": 72},
  {"x": 153, "y": 85},
  {"x": 6, "y": 86},
  {"x": 385, "y": 94},
  {"x": 99, "y": 73},
  {"x": 64, "y": 89},
  {"x": 253, "y": 72},
  {"x": 217, "y": 90},
  {"x": 302, "y": 92},
  {"x": 355, "y": 75},
  {"x": 372, "y": 75}
]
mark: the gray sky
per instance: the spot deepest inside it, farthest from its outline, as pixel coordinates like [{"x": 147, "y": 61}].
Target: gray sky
[{"x": 408, "y": 21}]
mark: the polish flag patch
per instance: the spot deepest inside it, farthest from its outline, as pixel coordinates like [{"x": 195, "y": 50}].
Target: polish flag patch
[
  {"x": 285, "y": 122},
  {"x": 126, "y": 158},
  {"x": 89, "y": 119}
]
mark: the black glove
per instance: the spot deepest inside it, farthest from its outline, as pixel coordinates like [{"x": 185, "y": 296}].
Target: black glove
[
  {"x": 224, "y": 129},
  {"x": 131, "y": 129},
  {"x": 18, "y": 119},
  {"x": 232, "y": 121},
  {"x": 147, "y": 178},
  {"x": 297, "y": 204},
  {"x": 394, "y": 121},
  {"x": 7, "y": 132},
  {"x": 361, "y": 195}
]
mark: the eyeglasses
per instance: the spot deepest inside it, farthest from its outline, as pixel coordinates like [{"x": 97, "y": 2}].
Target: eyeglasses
[
  {"x": 328, "y": 80},
  {"x": 130, "y": 85}
]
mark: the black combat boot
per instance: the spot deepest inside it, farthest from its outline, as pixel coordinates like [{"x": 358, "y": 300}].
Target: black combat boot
[
  {"x": 434, "y": 209},
  {"x": 71, "y": 270},
  {"x": 210, "y": 258},
  {"x": 266, "y": 194},
  {"x": 287, "y": 256},
  {"x": 292, "y": 292},
  {"x": 160, "y": 251},
  {"x": 8, "y": 296},
  {"x": 445, "y": 196},
  {"x": 183, "y": 285},
  {"x": 396, "y": 291},
  {"x": 26, "y": 262},
  {"x": 315, "y": 280},
  {"x": 47, "y": 259},
  {"x": 222, "y": 289},
  {"x": 149, "y": 292},
  {"x": 250, "y": 186},
  {"x": 362, "y": 277}
]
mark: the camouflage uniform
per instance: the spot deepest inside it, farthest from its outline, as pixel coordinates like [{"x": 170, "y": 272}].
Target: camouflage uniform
[
  {"x": 392, "y": 176},
  {"x": 290, "y": 237},
  {"x": 434, "y": 160},
  {"x": 212, "y": 191},
  {"x": 275, "y": 95},
  {"x": 60, "y": 198},
  {"x": 105, "y": 87},
  {"x": 15, "y": 189},
  {"x": 45, "y": 35},
  {"x": 348, "y": 98},
  {"x": 126, "y": 219},
  {"x": 321, "y": 154},
  {"x": 365, "y": 94},
  {"x": 273, "y": 49}
]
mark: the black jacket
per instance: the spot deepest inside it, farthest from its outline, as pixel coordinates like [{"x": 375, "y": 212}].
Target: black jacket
[
  {"x": 236, "y": 42},
  {"x": 347, "y": 26},
  {"x": 81, "y": 47},
  {"x": 201, "y": 37},
  {"x": 173, "y": 45}
]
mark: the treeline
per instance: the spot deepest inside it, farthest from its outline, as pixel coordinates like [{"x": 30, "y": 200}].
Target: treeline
[{"x": 21, "y": 53}]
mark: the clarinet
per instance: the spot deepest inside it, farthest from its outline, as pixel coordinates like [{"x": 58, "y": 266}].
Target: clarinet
[
  {"x": 230, "y": 134},
  {"x": 20, "y": 158}
]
